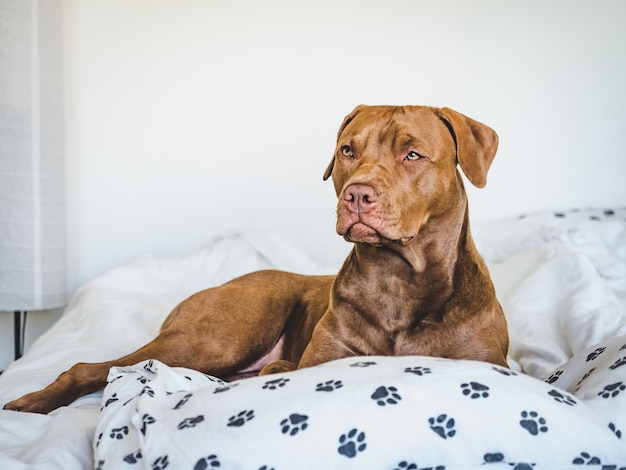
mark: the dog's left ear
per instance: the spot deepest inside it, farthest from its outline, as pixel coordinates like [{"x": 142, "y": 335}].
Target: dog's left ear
[
  {"x": 476, "y": 145},
  {"x": 344, "y": 124}
]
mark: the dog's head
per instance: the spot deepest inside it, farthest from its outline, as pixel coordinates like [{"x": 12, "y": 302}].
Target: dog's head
[{"x": 394, "y": 168}]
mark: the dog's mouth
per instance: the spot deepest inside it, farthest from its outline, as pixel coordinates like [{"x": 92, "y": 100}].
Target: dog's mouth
[{"x": 363, "y": 233}]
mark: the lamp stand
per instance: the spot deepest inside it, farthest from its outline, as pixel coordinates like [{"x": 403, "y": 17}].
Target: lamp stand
[{"x": 19, "y": 328}]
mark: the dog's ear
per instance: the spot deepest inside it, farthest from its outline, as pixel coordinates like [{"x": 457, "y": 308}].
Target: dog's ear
[
  {"x": 476, "y": 145},
  {"x": 344, "y": 124}
]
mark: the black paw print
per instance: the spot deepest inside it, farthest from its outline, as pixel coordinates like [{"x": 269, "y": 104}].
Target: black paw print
[
  {"x": 190, "y": 422},
  {"x": 145, "y": 420},
  {"x": 612, "y": 390},
  {"x": 443, "y": 426},
  {"x": 619, "y": 363},
  {"x": 241, "y": 418},
  {"x": 503, "y": 371},
  {"x": 623, "y": 348},
  {"x": 142, "y": 380},
  {"x": 560, "y": 398},
  {"x": 99, "y": 465},
  {"x": 493, "y": 458},
  {"x": 594, "y": 355},
  {"x": 533, "y": 423},
  {"x": 275, "y": 384},
  {"x": 328, "y": 386},
  {"x": 134, "y": 457},
  {"x": 147, "y": 390},
  {"x": 119, "y": 433},
  {"x": 585, "y": 377},
  {"x": 554, "y": 377},
  {"x": 586, "y": 459},
  {"x": 112, "y": 399},
  {"x": 475, "y": 390},
  {"x": 149, "y": 367},
  {"x": 386, "y": 396},
  {"x": 161, "y": 463},
  {"x": 499, "y": 458},
  {"x": 352, "y": 443},
  {"x": 225, "y": 388},
  {"x": 265, "y": 467},
  {"x": 404, "y": 465},
  {"x": 418, "y": 370},
  {"x": 207, "y": 462},
  {"x": 182, "y": 401},
  {"x": 615, "y": 431},
  {"x": 294, "y": 424},
  {"x": 363, "y": 364}
]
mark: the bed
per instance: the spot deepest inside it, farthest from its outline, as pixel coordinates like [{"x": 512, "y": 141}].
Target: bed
[{"x": 560, "y": 277}]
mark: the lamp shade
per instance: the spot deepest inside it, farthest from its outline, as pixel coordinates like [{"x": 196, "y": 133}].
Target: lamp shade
[{"x": 32, "y": 173}]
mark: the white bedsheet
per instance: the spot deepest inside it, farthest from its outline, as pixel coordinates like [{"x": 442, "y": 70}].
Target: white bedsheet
[{"x": 561, "y": 281}]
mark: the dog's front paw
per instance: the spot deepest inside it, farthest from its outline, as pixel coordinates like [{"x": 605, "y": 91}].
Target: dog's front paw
[{"x": 36, "y": 402}]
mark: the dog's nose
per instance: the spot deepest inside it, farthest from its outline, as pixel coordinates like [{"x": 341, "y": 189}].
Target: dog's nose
[{"x": 360, "y": 197}]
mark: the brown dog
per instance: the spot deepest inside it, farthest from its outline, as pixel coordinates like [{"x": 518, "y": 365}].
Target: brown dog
[{"x": 414, "y": 283}]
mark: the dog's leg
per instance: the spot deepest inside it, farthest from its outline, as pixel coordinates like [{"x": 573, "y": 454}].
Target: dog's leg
[
  {"x": 84, "y": 378},
  {"x": 278, "y": 367}
]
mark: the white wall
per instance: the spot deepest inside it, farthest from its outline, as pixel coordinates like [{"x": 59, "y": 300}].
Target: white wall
[{"x": 186, "y": 119}]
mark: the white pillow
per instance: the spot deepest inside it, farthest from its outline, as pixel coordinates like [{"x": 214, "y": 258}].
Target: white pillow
[{"x": 356, "y": 413}]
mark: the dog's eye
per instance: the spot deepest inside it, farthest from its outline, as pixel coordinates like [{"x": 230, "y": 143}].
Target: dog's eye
[
  {"x": 347, "y": 151},
  {"x": 413, "y": 156}
]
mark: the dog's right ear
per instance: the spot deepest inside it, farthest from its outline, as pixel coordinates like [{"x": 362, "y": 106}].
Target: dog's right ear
[{"x": 344, "y": 124}]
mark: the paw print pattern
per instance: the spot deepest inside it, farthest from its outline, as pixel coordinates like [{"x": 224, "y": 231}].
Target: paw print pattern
[
  {"x": 133, "y": 457},
  {"x": 586, "y": 459},
  {"x": 112, "y": 399},
  {"x": 443, "y": 426},
  {"x": 294, "y": 424},
  {"x": 404, "y": 465},
  {"x": 119, "y": 433},
  {"x": 182, "y": 401},
  {"x": 147, "y": 391},
  {"x": 190, "y": 422},
  {"x": 498, "y": 457},
  {"x": 386, "y": 396},
  {"x": 595, "y": 354},
  {"x": 533, "y": 423},
  {"x": 146, "y": 419},
  {"x": 241, "y": 418},
  {"x": 161, "y": 463},
  {"x": 619, "y": 363},
  {"x": 475, "y": 390},
  {"x": 554, "y": 377},
  {"x": 615, "y": 431},
  {"x": 612, "y": 390},
  {"x": 351, "y": 443},
  {"x": 207, "y": 462},
  {"x": 363, "y": 364},
  {"x": 505, "y": 372},
  {"x": 560, "y": 398},
  {"x": 275, "y": 384},
  {"x": 418, "y": 370},
  {"x": 328, "y": 386},
  {"x": 149, "y": 367},
  {"x": 225, "y": 388},
  {"x": 585, "y": 377}
]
